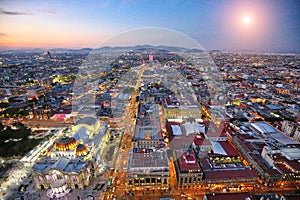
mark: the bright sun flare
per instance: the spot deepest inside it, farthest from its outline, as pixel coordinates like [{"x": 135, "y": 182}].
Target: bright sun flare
[{"x": 246, "y": 20}]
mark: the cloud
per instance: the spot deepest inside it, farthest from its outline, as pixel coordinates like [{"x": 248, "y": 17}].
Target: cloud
[
  {"x": 6, "y": 12},
  {"x": 48, "y": 11},
  {"x": 53, "y": 12},
  {"x": 2, "y": 35}
]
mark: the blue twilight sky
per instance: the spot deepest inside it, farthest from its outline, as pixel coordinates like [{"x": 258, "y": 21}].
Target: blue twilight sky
[{"x": 260, "y": 25}]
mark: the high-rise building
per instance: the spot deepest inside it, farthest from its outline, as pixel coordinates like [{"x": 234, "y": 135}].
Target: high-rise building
[{"x": 151, "y": 57}]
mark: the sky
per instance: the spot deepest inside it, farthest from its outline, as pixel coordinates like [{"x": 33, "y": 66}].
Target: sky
[{"x": 258, "y": 25}]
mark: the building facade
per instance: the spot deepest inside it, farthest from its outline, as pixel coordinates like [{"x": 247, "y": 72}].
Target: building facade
[
  {"x": 36, "y": 91},
  {"x": 188, "y": 170},
  {"x": 148, "y": 164},
  {"x": 291, "y": 129},
  {"x": 148, "y": 169},
  {"x": 12, "y": 90},
  {"x": 72, "y": 160}
]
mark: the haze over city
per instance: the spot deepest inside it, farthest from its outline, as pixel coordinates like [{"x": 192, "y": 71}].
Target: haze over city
[{"x": 263, "y": 26}]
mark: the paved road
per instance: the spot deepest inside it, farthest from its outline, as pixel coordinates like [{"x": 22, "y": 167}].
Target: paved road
[
  {"x": 45, "y": 123},
  {"x": 22, "y": 170}
]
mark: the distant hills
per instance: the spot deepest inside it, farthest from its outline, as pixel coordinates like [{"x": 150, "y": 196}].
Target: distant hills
[
  {"x": 131, "y": 48},
  {"x": 142, "y": 47},
  {"x": 105, "y": 48}
]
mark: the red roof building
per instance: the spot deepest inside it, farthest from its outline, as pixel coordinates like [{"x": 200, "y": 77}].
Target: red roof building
[{"x": 188, "y": 170}]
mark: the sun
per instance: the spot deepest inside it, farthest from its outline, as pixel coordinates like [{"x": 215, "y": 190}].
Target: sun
[{"x": 247, "y": 20}]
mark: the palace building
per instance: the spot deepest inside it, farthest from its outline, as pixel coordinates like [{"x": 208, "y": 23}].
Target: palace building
[{"x": 72, "y": 160}]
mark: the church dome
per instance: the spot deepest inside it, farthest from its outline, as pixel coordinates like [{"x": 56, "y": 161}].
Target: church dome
[
  {"x": 81, "y": 150},
  {"x": 65, "y": 144}
]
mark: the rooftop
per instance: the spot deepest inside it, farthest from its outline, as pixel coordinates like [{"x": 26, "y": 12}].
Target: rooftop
[
  {"x": 88, "y": 120},
  {"x": 229, "y": 174},
  {"x": 148, "y": 123},
  {"x": 284, "y": 139},
  {"x": 263, "y": 128},
  {"x": 199, "y": 140},
  {"x": 187, "y": 161},
  {"x": 176, "y": 130},
  {"x": 62, "y": 164},
  {"x": 147, "y": 160},
  {"x": 228, "y": 148},
  {"x": 81, "y": 134},
  {"x": 291, "y": 153},
  {"x": 214, "y": 131}
]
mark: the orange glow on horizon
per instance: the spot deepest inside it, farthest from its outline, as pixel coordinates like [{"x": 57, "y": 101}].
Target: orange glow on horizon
[
  {"x": 45, "y": 37},
  {"x": 41, "y": 42}
]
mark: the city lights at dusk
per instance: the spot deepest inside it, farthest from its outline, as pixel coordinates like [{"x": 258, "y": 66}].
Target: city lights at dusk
[{"x": 149, "y": 100}]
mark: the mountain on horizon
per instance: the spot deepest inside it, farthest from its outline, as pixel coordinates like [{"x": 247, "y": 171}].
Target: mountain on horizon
[
  {"x": 136, "y": 47},
  {"x": 105, "y": 48}
]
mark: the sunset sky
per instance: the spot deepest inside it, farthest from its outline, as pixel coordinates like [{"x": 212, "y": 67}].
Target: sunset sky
[{"x": 265, "y": 26}]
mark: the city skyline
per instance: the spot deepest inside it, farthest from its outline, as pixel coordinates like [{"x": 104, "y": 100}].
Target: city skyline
[
  {"x": 139, "y": 100},
  {"x": 262, "y": 26},
  {"x": 162, "y": 131}
]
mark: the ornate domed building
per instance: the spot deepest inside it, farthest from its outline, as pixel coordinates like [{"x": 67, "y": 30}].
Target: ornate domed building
[
  {"x": 81, "y": 150},
  {"x": 70, "y": 161},
  {"x": 65, "y": 144}
]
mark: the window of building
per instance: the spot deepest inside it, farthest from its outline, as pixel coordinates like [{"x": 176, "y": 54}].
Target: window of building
[
  {"x": 147, "y": 180},
  {"x": 181, "y": 180},
  {"x": 165, "y": 181},
  {"x": 185, "y": 180},
  {"x": 153, "y": 180}
]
